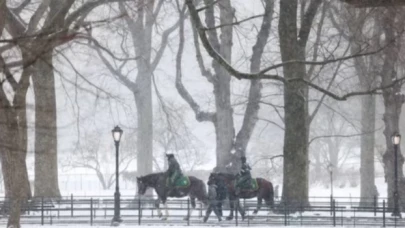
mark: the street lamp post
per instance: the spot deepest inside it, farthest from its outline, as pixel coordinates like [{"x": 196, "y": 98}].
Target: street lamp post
[
  {"x": 330, "y": 169},
  {"x": 396, "y": 138},
  {"x": 117, "y": 133}
]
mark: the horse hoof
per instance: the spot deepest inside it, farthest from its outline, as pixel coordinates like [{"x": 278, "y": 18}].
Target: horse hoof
[
  {"x": 164, "y": 218},
  {"x": 186, "y": 218},
  {"x": 229, "y": 218}
]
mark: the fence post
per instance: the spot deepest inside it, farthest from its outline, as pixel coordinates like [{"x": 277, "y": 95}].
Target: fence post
[
  {"x": 330, "y": 203},
  {"x": 354, "y": 219},
  {"x": 285, "y": 213},
  {"x": 334, "y": 213},
  {"x": 91, "y": 211},
  {"x": 236, "y": 211},
  {"x": 375, "y": 205},
  {"x": 301, "y": 210},
  {"x": 383, "y": 213},
  {"x": 71, "y": 205},
  {"x": 201, "y": 210},
  {"x": 42, "y": 210},
  {"x": 246, "y": 213},
  {"x": 188, "y": 212},
  {"x": 139, "y": 209}
]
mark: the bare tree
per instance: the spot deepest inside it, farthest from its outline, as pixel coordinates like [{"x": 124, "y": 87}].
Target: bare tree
[
  {"x": 293, "y": 43},
  {"x": 354, "y": 25},
  {"x": 95, "y": 153},
  {"x": 392, "y": 23},
  {"x": 229, "y": 146},
  {"x": 34, "y": 41},
  {"x": 293, "y": 47},
  {"x": 141, "y": 17}
]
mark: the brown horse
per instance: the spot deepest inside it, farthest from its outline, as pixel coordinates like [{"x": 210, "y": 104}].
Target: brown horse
[
  {"x": 263, "y": 191},
  {"x": 157, "y": 181}
]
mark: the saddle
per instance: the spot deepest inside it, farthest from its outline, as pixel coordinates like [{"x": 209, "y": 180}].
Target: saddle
[
  {"x": 181, "y": 182},
  {"x": 252, "y": 185}
]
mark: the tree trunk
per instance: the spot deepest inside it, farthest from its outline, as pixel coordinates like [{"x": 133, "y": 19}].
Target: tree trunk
[
  {"x": 393, "y": 106},
  {"x": 292, "y": 47},
  {"x": 16, "y": 183},
  {"x": 393, "y": 100},
  {"x": 46, "y": 160},
  {"x": 143, "y": 100},
  {"x": 224, "y": 128},
  {"x": 367, "y": 182},
  {"x": 295, "y": 169},
  {"x": 141, "y": 30},
  {"x": 367, "y": 79}
]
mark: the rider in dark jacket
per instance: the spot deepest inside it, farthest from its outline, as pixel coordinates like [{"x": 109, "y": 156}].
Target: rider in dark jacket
[
  {"x": 173, "y": 172},
  {"x": 244, "y": 175}
]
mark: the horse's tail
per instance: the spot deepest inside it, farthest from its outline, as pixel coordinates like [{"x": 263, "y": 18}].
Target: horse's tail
[
  {"x": 271, "y": 195},
  {"x": 200, "y": 190},
  {"x": 204, "y": 193}
]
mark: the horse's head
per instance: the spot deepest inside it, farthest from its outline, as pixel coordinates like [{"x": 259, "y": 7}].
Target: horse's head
[
  {"x": 142, "y": 186},
  {"x": 213, "y": 179}
]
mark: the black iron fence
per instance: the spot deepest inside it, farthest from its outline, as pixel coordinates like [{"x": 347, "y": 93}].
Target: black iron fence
[{"x": 99, "y": 210}]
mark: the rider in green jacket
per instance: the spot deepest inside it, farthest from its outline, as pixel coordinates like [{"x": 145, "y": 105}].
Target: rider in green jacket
[
  {"x": 244, "y": 175},
  {"x": 173, "y": 172}
]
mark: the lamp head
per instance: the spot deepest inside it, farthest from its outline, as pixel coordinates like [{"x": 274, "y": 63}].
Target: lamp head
[
  {"x": 396, "y": 138},
  {"x": 117, "y": 133}
]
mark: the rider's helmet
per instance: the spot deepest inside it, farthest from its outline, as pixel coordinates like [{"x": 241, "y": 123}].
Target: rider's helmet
[{"x": 168, "y": 156}]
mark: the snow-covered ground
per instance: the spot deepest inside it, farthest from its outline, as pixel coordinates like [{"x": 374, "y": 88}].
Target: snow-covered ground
[
  {"x": 87, "y": 187},
  {"x": 123, "y": 225}
]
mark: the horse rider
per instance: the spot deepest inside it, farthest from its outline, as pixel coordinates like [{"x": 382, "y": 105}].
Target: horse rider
[
  {"x": 213, "y": 199},
  {"x": 173, "y": 172},
  {"x": 244, "y": 175}
]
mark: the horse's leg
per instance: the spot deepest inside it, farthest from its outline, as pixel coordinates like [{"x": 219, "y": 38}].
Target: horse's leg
[
  {"x": 166, "y": 210},
  {"x": 240, "y": 209},
  {"x": 231, "y": 208},
  {"x": 259, "y": 205},
  {"x": 157, "y": 205},
  {"x": 193, "y": 205}
]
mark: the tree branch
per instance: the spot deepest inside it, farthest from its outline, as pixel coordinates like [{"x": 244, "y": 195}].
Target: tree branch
[
  {"x": 200, "y": 116},
  {"x": 262, "y": 74},
  {"x": 234, "y": 23},
  {"x": 206, "y": 73}
]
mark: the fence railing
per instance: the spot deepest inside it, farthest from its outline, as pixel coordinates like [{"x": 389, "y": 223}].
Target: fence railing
[{"x": 99, "y": 210}]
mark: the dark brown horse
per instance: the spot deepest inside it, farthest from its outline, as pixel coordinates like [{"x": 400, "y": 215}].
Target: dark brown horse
[
  {"x": 157, "y": 181},
  {"x": 263, "y": 191}
]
